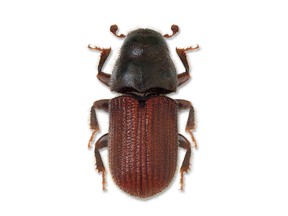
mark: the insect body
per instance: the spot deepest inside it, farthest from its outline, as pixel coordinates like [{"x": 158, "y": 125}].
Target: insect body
[{"x": 143, "y": 137}]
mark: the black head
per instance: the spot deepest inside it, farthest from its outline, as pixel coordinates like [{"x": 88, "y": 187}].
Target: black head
[{"x": 144, "y": 65}]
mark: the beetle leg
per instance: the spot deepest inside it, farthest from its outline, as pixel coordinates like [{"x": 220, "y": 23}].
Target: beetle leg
[
  {"x": 184, "y": 104},
  {"x": 183, "y": 77},
  {"x": 101, "y": 143},
  {"x": 99, "y": 105},
  {"x": 102, "y": 76},
  {"x": 184, "y": 143}
]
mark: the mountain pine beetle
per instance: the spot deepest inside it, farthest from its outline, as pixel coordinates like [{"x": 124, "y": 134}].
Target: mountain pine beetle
[{"x": 143, "y": 136}]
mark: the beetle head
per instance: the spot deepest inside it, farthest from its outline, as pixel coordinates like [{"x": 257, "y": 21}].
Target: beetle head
[{"x": 144, "y": 65}]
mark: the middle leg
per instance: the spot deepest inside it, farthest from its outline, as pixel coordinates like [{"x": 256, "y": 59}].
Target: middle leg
[
  {"x": 97, "y": 105},
  {"x": 190, "y": 126}
]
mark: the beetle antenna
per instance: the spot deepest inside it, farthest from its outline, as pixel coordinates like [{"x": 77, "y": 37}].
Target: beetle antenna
[
  {"x": 114, "y": 29},
  {"x": 174, "y": 29}
]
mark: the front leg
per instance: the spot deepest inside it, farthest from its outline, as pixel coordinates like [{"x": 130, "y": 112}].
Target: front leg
[
  {"x": 98, "y": 105},
  {"x": 102, "y": 76},
  {"x": 183, "y": 77},
  {"x": 184, "y": 105}
]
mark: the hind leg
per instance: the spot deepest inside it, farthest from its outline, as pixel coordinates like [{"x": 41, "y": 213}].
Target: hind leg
[
  {"x": 184, "y": 143},
  {"x": 101, "y": 143}
]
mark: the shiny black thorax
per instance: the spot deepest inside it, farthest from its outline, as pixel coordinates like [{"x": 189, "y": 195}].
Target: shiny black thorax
[{"x": 144, "y": 65}]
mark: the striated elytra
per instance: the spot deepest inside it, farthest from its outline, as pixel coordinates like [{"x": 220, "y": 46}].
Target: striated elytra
[{"x": 143, "y": 136}]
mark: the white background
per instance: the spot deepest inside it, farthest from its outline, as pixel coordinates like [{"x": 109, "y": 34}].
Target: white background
[{"x": 238, "y": 87}]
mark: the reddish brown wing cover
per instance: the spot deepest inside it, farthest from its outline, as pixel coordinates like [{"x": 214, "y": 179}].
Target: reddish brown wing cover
[{"x": 143, "y": 144}]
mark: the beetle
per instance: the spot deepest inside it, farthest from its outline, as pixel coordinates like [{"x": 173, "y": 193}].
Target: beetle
[{"x": 143, "y": 136}]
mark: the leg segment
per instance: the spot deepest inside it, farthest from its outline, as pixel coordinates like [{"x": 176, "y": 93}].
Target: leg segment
[
  {"x": 183, "y": 77},
  {"x": 102, "y": 76},
  {"x": 101, "y": 143},
  {"x": 99, "y": 105},
  {"x": 184, "y": 143},
  {"x": 183, "y": 105}
]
